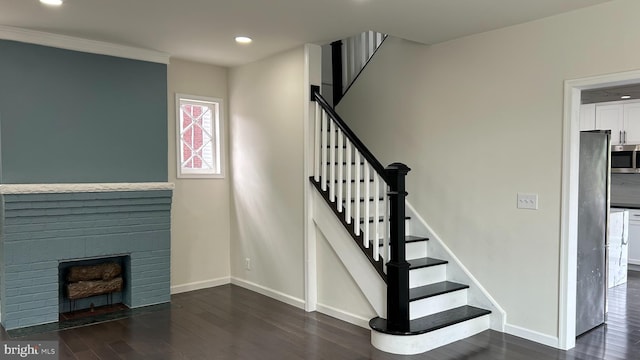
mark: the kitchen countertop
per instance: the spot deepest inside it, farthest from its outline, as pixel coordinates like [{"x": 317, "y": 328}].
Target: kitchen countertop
[
  {"x": 615, "y": 210},
  {"x": 625, "y": 205}
]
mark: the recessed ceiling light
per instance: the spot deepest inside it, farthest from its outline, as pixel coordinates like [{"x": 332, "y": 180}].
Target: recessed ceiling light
[
  {"x": 625, "y": 97},
  {"x": 243, "y": 40},
  {"x": 52, "y": 2}
]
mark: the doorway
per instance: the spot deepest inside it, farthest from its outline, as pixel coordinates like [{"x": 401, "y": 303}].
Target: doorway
[{"x": 569, "y": 213}]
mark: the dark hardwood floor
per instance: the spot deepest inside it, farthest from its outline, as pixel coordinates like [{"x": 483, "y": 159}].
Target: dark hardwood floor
[{"x": 229, "y": 322}]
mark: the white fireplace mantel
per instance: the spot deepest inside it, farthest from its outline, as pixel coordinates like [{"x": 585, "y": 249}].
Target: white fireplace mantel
[{"x": 12, "y": 189}]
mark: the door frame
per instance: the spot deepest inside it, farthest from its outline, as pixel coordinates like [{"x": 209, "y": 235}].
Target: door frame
[{"x": 569, "y": 205}]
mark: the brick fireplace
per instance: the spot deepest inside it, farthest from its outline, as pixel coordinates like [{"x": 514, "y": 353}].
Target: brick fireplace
[{"x": 44, "y": 225}]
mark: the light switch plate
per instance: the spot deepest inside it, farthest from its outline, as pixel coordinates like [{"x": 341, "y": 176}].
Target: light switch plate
[{"x": 528, "y": 201}]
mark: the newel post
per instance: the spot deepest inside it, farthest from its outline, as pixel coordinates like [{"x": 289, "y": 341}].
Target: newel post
[{"x": 397, "y": 267}]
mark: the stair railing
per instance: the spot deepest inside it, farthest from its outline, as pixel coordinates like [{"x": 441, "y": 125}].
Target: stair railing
[
  {"x": 368, "y": 199},
  {"x": 349, "y": 57}
]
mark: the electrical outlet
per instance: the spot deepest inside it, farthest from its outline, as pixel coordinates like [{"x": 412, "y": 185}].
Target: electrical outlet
[
  {"x": 528, "y": 201},
  {"x": 247, "y": 263}
]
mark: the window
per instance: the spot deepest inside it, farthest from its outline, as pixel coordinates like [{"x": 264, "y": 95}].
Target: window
[{"x": 199, "y": 129}]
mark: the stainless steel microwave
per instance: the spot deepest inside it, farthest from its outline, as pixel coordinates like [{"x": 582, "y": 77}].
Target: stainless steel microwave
[{"x": 625, "y": 159}]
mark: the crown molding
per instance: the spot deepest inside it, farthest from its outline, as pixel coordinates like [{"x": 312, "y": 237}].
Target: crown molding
[{"x": 79, "y": 44}]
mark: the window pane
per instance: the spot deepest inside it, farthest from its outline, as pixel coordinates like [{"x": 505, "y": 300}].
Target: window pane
[{"x": 198, "y": 126}]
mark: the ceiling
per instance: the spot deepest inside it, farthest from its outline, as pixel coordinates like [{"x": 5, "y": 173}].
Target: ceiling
[
  {"x": 610, "y": 94},
  {"x": 204, "y": 30}
]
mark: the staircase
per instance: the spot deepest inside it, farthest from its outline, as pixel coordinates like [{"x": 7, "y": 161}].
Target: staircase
[
  {"x": 349, "y": 57},
  {"x": 425, "y": 309}
]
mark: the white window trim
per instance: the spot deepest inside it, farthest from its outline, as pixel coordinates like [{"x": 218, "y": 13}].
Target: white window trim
[{"x": 220, "y": 151}]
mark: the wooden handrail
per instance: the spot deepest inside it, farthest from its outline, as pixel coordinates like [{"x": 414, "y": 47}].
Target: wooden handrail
[{"x": 377, "y": 166}]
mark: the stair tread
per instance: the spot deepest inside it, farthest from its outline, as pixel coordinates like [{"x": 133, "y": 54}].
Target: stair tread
[
  {"x": 432, "y": 322},
  {"x": 362, "y": 199},
  {"x": 410, "y": 239},
  {"x": 439, "y": 288},
  {"x": 414, "y": 238},
  {"x": 425, "y": 262},
  {"x": 380, "y": 219},
  {"x": 353, "y": 181}
]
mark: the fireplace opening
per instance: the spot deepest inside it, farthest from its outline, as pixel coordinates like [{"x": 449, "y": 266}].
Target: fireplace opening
[{"x": 93, "y": 287}]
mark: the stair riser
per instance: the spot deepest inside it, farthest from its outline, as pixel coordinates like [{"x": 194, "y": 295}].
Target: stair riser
[
  {"x": 352, "y": 185},
  {"x": 413, "y": 252},
  {"x": 355, "y": 169},
  {"x": 427, "y": 275},
  {"x": 380, "y": 224},
  {"x": 416, "y": 250},
  {"x": 435, "y": 304},
  {"x": 363, "y": 185},
  {"x": 362, "y": 207},
  {"x": 416, "y": 344}
]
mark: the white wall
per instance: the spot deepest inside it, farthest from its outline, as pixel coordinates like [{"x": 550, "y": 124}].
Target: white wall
[
  {"x": 200, "y": 248},
  {"x": 267, "y": 133},
  {"x": 479, "y": 119},
  {"x": 338, "y": 293}
]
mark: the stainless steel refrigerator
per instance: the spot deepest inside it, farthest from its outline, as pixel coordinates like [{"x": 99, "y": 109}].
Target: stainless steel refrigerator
[{"x": 593, "y": 217}]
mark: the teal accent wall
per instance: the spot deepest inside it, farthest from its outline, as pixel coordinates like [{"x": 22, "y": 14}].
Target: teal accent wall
[{"x": 74, "y": 117}]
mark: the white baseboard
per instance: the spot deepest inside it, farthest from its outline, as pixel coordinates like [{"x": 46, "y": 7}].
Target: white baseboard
[
  {"x": 197, "y": 285},
  {"x": 275, "y": 294},
  {"x": 343, "y": 315},
  {"x": 532, "y": 335},
  {"x": 633, "y": 267},
  {"x": 634, "y": 262}
]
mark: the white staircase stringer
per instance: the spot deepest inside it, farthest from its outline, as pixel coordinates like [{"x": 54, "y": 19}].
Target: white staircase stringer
[
  {"x": 477, "y": 295},
  {"x": 359, "y": 267}
]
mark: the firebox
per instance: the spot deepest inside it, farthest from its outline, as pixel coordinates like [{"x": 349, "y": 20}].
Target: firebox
[{"x": 93, "y": 283}]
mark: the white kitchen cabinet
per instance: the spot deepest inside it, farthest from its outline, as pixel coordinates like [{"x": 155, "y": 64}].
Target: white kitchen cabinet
[
  {"x": 631, "y": 123},
  {"x": 611, "y": 117},
  {"x": 634, "y": 237},
  {"x": 587, "y": 117},
  {"x": 621, "y": 117}
]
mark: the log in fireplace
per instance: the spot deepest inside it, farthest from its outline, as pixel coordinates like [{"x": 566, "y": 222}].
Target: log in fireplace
[{"x": 87, "y": 284}]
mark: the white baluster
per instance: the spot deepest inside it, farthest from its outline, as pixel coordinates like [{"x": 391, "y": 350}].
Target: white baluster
[
  {"x": 371, "y": 44},
  {"x": 356, "y": 185},
  {"x": 386, "y": 238},
  {"x": 376, "y": 215},
  {"x": 318, "y": 145},
  {"x": 324, "y": 161},
  {"x": 348, "y": 199},
  {"x": 367, "y": 207},
  {"x": 340, "y": 165},
  {"x": 332, "y": 161},
  {"x": 362, "y": 48}
]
